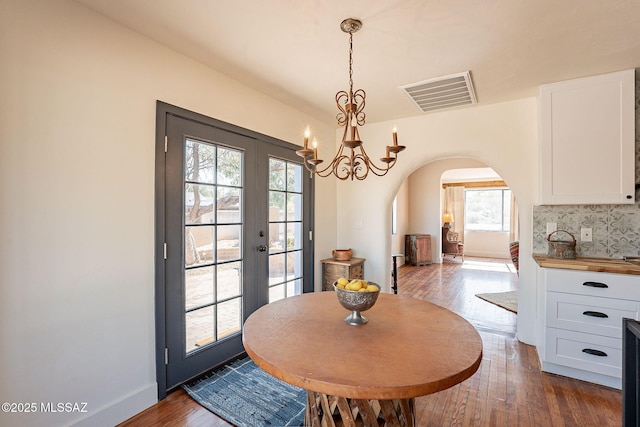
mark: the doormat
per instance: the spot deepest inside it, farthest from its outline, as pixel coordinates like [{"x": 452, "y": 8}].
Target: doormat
[
  {"x": 506, "y": 300},
  {"x": 245, "y": 395}
]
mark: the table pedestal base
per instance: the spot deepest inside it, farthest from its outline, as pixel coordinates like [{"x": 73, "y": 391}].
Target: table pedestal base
[{"x": 334, "y": 411}]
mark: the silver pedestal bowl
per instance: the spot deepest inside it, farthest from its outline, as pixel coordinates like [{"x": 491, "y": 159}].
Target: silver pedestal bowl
[{"x": 356, "y": 302}]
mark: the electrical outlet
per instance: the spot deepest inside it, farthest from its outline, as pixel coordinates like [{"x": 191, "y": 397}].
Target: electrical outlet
[
  {"x": 585, "y": 234},
  {"x": 551, "y": 227}
]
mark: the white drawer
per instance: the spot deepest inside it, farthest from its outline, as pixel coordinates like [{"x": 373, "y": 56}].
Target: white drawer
[
  {"x": 588, "y": 352},
  {"x": 593, "y": 315},
  {"x": 608, "y": 285}
]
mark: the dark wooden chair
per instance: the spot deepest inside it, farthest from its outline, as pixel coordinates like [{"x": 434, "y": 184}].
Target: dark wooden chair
[{"x": 451, "y": 244}]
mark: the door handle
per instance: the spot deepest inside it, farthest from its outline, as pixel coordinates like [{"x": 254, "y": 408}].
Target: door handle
[{"x": 262, "y": 248}]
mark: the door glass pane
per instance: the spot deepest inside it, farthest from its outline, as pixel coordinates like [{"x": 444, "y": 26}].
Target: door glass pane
[
  {"x": 229, "y": 317},
  {"x": 199, "y": 325},
  {"x": 277, "y": 237},
  {"x": 294, "y": 177},
  {"x": 294, "y": 287},
  {"x": 198, "y": 245},
  {"x": 276, "y": 206},
  {"x": 277, "y": 174},
  {"x": 229, "y": 205},
  {"x": 285, "y": 229},
  {"x": 294, "y": 265},
  {"x": 198, "y": 287},
  {"x": 294, "y": 235},
  {"x": 276, "y": 268},
  {"x": 212, "y": 241},
  {"x": 198, "y": 204},
  {"x": 200, "y": 162},
  {"x": 229, "y": 167},
  {"x": 228, "y": 242},
  {"x": 276, "y": 293},
  {"x": 294, "y": 207},
  {"x": 229, "y": 280}
]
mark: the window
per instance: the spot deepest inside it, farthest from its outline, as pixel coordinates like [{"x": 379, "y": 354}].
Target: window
[{"x": 487, "y": 209}]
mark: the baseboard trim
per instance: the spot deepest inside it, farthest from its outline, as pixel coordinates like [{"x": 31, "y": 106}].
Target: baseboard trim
[
  {"x": 579, "y": 374},
  {"x": 122, "y": 409},
  {"x": 499, "y": 255}
]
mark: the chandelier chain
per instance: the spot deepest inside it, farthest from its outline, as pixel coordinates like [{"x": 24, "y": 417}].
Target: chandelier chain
[{"x": 350, "y": 62}]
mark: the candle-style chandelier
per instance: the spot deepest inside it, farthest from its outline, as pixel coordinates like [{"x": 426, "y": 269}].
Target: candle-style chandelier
[{"x": 351, "y": 160}]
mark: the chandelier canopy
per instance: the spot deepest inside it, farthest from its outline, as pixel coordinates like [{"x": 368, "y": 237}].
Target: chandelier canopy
[{"x": 351, "y": 159}]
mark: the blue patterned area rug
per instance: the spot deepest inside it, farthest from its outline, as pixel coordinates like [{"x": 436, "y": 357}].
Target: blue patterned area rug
[{"x": 245, "y": 395}]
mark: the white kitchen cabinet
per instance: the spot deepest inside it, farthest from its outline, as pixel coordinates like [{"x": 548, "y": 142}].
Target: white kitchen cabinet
[
  {"x": 583, "y": 323},
  {"x": 587, "y": 140}
]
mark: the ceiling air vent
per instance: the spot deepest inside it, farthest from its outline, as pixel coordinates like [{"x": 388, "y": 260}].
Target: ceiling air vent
[{"x": 443, "y": 92}]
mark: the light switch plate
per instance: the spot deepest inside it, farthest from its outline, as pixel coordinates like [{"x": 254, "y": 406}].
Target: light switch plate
[
  {"x": 551, "y": 227},
  {"x": 586, "y": 234}
]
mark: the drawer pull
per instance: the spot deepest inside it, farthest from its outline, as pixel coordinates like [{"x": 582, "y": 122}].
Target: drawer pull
[
  {"x": 596, "y": 314},
  {"x": 595, "y": 285},
  {"x": 594, "y": 352}
]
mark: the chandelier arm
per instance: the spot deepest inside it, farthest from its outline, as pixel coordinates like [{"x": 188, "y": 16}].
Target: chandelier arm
[
  {"x": 334, "y": 168},
  {"x": 371, "y": 166},
  {"x": 332, "y": 165}
]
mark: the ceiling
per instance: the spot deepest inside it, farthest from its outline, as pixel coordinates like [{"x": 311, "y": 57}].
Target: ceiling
[{"x": 294, "y": 50}]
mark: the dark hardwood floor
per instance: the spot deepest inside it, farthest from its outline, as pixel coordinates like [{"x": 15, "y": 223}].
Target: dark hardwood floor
[{"x": 507, "y": 390}]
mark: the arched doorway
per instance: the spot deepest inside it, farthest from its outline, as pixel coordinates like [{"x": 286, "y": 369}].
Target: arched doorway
[{"x": 488, "y": 268}]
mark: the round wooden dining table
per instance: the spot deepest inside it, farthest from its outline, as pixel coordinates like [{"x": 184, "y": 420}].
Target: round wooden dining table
[{"x": 367, "y": 374}]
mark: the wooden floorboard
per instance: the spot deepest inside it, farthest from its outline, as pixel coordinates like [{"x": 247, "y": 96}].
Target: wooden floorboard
[{"x": 509, "y": 389}]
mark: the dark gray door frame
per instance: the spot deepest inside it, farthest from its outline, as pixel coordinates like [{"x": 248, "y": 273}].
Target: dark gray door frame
[{"x": 162, "y": 111}]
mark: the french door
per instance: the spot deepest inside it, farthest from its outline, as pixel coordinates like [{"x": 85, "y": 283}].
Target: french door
[{"x": 234, "y": 221}]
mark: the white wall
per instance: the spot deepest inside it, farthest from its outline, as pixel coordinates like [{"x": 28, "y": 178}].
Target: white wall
[
  {"x": 491, "y": 244},
  {"x": 77, "y": 202},
  {"x": 502, "y": 136}
]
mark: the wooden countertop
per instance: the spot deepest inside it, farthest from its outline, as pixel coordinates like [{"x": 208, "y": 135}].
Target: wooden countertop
[
  {"x": 604, "y": 265},
  {"x": 409, "y": 348}
]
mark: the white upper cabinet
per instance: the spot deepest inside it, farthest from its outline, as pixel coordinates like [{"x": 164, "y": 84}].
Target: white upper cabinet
[{"x": 587, "y": 140}]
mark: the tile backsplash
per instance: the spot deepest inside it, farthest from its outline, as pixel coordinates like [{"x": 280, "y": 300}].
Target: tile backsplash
[{"x": 615, "y": 228}]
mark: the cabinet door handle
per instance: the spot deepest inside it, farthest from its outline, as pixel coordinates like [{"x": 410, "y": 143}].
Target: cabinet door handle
[
  {"x": 594, "y": 352},
  {"x": 595, "y": 314},
  {"x": 595, "y": 285}
]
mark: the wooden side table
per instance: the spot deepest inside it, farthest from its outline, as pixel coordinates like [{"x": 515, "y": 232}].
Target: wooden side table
[
  {"x": 332, "y": 270},
  {"x": 417, "y": 249}
]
